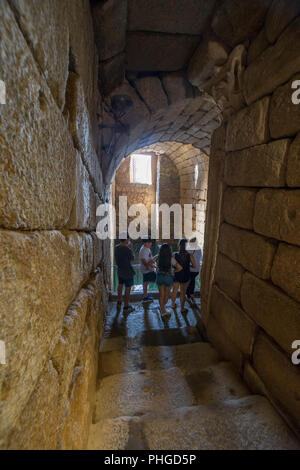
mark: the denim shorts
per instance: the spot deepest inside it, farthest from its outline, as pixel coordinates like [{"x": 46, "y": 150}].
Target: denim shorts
[{"x": 164, "y": 279}]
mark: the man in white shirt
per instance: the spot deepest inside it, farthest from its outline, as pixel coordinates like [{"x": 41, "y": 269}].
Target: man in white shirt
[
  {"x": 147, "y": 268},
  {"x": 195, "y": 250}
]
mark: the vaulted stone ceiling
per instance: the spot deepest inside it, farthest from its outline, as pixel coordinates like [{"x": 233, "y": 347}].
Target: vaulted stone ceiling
[{"x": 180, "y": 63}]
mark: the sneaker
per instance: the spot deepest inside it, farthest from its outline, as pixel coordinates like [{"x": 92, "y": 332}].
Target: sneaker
[
  {"x": 165, "y": 314},
  {"x": 128, "y": 309},
  {"x": 185, "y": 310},
  {"x": 148, "y": 299},
  {"x": 119, "y": 303}
]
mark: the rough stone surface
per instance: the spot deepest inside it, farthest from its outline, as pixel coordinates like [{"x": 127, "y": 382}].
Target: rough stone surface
[
  {"x": 284, "y": 115},
  {"x": 247, "y": 423},
  {"x": 286, "y": 270},
  {"x": 238, "y": 326},
  {"x": 112, "y": 73},
  {"x": 280, "y": 376},
  {"x": 272, "y": 310},
  {"x": 110, "y": 21},
  {"x": 208, "y": 55},
  {"x": 263, "y": 165},
  {"x": 38, "y": 158},
  {"x": 37, "y": 427},
  {"x": 228, "y": 276},
  {"x": 275, "y": 66},
  {"x": 41, "y": 274},
  {"x": 151, "y": 90},
  {"x": 236, "y": 21},
  {"x": 293, "y": 164},
  {"x": 186, "y": 357},
  {"x": 159, "y": 52},
  {"x": 83, "y": 214},
  {"x": 223, "y": 343},
  {"x": 177, "y": 86},
  {"x": 47, "y": 35},
  {"x": 138, "y": 112},
  {"x": 249, "y": 127},
  {"x": 253, "y": 252},
  {"x": 257, "y": 46},
  {"x": 169, "y": 16},
  {"x": 277, "y": 214},
  {"x": 279, "y": 16},
  {"x": 238, "y": 207},
  {"x": 80, "y": 126}
]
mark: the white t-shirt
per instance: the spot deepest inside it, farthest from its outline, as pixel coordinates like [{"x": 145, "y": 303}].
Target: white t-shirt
[
  {"x": 145, "y": 253},
  {"x": 198, "y": 258}
]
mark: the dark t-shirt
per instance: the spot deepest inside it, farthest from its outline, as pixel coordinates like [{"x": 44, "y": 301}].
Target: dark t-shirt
[{"x": 124, "y": 256}]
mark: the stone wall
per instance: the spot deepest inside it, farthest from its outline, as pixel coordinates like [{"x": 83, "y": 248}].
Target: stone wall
[
  {"x": 250, "y": 278},
  {"x": 53, "y": 294}
]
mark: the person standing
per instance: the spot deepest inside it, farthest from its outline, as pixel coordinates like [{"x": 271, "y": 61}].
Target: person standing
[
  {"x": 164, "y": 277},
  {"x": 197, "y": 254},
  {"x": 182, "y": 278},
  {"x": 147, "y": 268},
  {"x": 124, "y": 257}
]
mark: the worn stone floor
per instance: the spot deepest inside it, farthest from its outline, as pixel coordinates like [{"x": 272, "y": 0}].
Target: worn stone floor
[{"x": 163, "y": 387}]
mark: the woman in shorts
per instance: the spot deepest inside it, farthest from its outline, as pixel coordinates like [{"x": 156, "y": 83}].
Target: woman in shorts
[
  {"x": 182, "y": 277},
  {"x": 164, "y": 277}
]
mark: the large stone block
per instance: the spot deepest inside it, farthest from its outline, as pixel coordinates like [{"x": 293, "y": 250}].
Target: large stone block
[
  {"x": 293, "y": 164},
  {"x": 41, "y": 273},
  {"x": 253, "y": 252},
  {"x": 45, "y": 27},
  {"x": 275, "y": 66},
  {"x": 138, "y": 113},
  {"x": 159, "y": 52},
  {"x": 236, "y": 21},
  {"x": 169, "y": 16},
  {"x": 66, "y": 350},
  {"x": 277, "y": 214},
  {"x": 228, "y": 276},
  {"x": 238, "y": 326},
  {"x": 257, "y": 46},
  {"x": 177, "y": 86},
  {"x": 208, "y": 55},
  {"x": 238, "y": 207},
  {"x": 263, "y": 165},
  {"x": 284, "y": 114},
  {"x": 279, "y": 375},
  {"x": 152, "y": 92},
  {"x": 111, "y": 73},
  {"x": 83, "y": 214},
  {"x": 249, "y": 127},
  {"x": 37, "y": 155},
  {"x": 78, "y": 413},
  {"x": 37, "y": 427},
  {"x": 110, "y": 22},
  {"x": 286, "y": 270},
  {"x": 78, "y": 117},
  {"x": 223, "y": 343},
  {"x": 280, "y": 15},
  {"x": 271, "y": 309}
]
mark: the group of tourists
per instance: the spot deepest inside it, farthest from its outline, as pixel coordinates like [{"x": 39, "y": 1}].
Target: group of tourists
[{"x": 170, "y": 271}]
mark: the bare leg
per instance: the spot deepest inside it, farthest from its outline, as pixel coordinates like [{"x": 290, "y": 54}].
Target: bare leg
[
  {"x": 120, "y": 290},
  {"x": 174, "y": 293},
  {"x": 126, "y": 296},
  {"x": 167, "y": 294},
  {"x": 183, "y": 288},
  {"x": 145, "y": 289},
  {"x": 162, "y": 298}
]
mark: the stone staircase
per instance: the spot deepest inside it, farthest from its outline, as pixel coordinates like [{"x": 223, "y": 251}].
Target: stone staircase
[{"x": 163, "y": 387}]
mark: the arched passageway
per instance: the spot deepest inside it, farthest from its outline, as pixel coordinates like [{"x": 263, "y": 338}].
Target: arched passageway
[{"x": 87, "y": 84}]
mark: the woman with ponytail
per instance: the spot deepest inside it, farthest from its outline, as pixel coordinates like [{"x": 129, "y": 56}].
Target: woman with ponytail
[{"x": 182, "y": 278}]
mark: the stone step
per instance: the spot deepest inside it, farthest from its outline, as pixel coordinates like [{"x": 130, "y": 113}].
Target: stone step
[
  {"x": 137, "y": 393},
  {"x": 248, "y": 423},
  {"x": 186, "y": 357}
]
